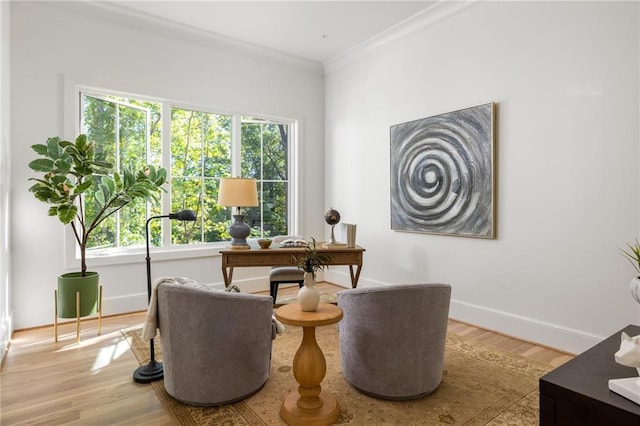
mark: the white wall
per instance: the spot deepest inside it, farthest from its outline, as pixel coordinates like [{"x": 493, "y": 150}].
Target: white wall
[
  {"x": 5, "y": 178},
  {"x": 566, "y": 80},
  {"x": 55, "y": 45}
]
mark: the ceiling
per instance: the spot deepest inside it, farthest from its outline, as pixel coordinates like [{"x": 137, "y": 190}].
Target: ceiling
[{"x": 313, "y": 30}]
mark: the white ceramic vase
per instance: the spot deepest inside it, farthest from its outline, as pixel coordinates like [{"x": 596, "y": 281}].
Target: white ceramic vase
[
  {"x": 308, "y": 295},
  {"x": 635, "y": 288}
]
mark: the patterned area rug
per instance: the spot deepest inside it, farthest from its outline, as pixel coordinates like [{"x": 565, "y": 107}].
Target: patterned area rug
[{"x": 481, "y": 386}]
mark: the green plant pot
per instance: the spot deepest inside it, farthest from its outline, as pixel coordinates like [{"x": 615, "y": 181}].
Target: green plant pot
[{"x": 68, "y": 285}]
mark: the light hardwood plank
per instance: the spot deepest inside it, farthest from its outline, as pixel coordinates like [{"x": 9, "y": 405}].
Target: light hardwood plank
[{"x": 44, "y": 382}]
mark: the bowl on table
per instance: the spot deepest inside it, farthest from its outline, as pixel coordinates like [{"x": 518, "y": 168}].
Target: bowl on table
[{"x": 264, "y": 243}]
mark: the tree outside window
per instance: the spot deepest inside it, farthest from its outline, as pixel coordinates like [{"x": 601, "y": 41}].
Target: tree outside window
[
  {"x": 265, "y": 157},
  {"x": 200, "y": 156},
  {"x": 201, "y": 145}
]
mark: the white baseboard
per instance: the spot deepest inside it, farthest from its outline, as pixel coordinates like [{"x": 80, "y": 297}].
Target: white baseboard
[
  {"x": 124, "y": 304},
  {"x": 343, "y": 279},
  {"x": 135, "y": 302},
  {"x": 547, "y": 334},
  {"x": 252, "y": 285},
  {"x": 552, "y": 335}
]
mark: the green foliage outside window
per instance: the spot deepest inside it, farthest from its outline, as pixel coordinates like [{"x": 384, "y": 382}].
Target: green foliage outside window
[
  {"x": 201, "y": 152},
  {"x": 265, "y": 157},
  {"x": 121, "y": 129},
  {"x": 200, "y": 156}
]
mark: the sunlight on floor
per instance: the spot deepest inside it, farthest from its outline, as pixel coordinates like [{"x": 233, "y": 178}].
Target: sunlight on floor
[
  {"x": 109, "y": 353},
  {"x": 89, "y": 338},
  {"x": 84, "y": 341},
  {"x": 111, "y": 347}
]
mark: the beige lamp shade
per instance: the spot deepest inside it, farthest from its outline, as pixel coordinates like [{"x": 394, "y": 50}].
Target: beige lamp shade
[{"x": 238, "y": 192}]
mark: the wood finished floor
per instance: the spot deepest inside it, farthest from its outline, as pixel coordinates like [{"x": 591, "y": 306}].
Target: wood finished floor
[{"x": 53, "y": 383}]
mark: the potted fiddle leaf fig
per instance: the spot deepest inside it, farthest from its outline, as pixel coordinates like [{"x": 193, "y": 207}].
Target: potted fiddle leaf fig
[{"x": 74, "y": 174}]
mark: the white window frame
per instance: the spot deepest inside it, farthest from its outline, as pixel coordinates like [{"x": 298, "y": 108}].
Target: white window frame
[{"x": 72, "y": 107}]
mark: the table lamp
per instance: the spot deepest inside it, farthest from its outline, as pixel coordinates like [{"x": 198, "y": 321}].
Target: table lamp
[
  {"x": 153, "y": 370},
  {"x": 238, "y": 192}
]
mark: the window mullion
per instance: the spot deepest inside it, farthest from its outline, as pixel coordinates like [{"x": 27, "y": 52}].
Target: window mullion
[
  {"x": 236, "y": 131},
  {"x": 202, "y": 176},
  {"x": 117, "y": 151},
  {"x": 294, "y": 178},
  {"x": 261, "y": 200},
  {"x": 166, "y": 162}
]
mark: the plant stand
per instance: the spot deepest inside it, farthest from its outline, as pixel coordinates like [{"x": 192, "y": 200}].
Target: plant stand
[{"x": 78, "y": 310}]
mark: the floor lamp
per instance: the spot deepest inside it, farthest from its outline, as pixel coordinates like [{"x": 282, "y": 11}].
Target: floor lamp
[{"x": 153, "y": 371}]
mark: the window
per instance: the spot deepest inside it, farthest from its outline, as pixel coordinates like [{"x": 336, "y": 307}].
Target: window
[
  {"x": 265, "y": 157},
  {"x": 203, "y": 146},
  {"x": 200, "y": 155},
  {"x": 124, "y": 131}
]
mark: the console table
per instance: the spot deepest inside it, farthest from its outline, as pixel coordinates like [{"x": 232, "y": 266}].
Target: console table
[
  {"x": 351, "y": 257},
  {"x": 577, "y": 392}
]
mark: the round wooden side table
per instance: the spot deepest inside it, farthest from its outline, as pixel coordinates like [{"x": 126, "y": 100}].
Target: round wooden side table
[{"x": 310, "y": 405}]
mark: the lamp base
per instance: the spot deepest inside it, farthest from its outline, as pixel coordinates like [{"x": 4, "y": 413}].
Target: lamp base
[
  {"x": 239, "y": 246},
  {"x": 149, "y": 373},
  {"x": 239, "y": 232}
]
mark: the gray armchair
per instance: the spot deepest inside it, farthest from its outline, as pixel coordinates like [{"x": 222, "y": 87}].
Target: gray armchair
[
  {"x": 392, "y": 338},
  {"x": 216, "y": 345}
]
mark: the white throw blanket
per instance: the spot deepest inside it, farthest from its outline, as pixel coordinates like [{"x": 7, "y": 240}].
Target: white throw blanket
[
  {"x": 277, "y": 327},
  {"x": 150, "y": 327}
]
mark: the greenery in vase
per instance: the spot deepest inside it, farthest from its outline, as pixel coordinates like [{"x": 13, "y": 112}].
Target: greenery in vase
[
  {"x": 312, "y": 261},
  {"x": 75, "y": 174},
  {"x": 633, "y": 255}
]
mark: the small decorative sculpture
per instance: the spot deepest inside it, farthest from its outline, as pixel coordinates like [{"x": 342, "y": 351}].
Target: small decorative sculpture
[
  {"x": 628, "y": 355},
  {"x": 332, "y": 217}
]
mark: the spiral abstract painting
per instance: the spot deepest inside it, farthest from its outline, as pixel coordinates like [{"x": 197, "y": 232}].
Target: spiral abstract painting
[{"x": 442, "y": 174}]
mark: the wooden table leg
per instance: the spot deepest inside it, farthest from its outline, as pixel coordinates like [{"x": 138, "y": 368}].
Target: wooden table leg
[
  {"x": 227, "y": 275},
  {"x": 355, "y": 277},
  {"x": 309, "y": 406}
]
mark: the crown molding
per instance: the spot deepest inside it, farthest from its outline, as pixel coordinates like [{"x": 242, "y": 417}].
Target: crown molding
[
  {"x": 122, "y": 15},
  {"x": 427, "y": 17}
]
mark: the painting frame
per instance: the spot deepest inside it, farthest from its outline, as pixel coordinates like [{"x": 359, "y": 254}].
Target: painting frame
[{"x": 442, "y": 173}]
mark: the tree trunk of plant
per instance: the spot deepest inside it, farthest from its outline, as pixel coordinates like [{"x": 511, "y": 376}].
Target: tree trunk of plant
[{"x": 83, "y": 259}]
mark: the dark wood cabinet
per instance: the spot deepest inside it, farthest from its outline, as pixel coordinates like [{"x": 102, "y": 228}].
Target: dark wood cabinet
[{"x": 577, "y": 392}]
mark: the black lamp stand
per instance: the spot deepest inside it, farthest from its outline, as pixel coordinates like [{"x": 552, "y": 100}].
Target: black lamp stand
[{"x": 153, "y": 370}]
